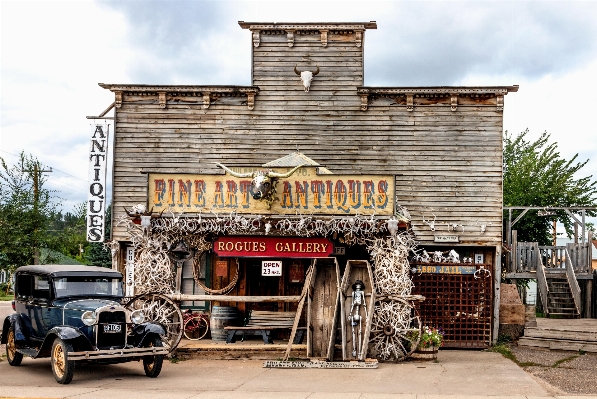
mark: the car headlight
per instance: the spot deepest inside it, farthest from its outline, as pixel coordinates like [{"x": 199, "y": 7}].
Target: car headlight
[
  {"x": 137, "y": 317},
  {"x": 89, "y": 318}
]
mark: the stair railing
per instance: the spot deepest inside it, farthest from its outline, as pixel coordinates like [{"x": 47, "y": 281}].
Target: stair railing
[
  {"x": 572, "y": 282},
  {"x": 542, "y": 284}
]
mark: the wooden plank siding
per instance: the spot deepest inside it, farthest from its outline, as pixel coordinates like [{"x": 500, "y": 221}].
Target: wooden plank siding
[{"x": 447, "y": 163}]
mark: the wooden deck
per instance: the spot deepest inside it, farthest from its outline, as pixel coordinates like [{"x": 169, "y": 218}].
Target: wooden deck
[
  {"x": 249, "y": 349},
  {"x": 562, "y": 334},
  {"x": 582, "y": 325}
]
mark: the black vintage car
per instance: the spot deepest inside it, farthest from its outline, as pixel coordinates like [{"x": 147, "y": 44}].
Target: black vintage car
[{"x": 75, "y": 313}]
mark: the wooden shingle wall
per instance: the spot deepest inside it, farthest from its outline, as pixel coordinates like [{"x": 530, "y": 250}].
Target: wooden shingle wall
[{"x": 443, "y": 143}]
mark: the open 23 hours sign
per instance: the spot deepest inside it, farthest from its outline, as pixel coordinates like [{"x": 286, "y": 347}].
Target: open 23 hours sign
[{"x": 271, "y": 268}]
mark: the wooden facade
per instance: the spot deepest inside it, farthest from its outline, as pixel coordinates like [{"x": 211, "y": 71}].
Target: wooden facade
[{"x": 443, "y": 144}]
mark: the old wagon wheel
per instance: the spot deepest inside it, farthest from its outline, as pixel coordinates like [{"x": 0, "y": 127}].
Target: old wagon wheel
[
  {"x": 396, "y": 330},
  {"x": 160, "y": 309}
]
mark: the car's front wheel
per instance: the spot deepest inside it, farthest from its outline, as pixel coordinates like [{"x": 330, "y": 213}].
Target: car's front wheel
[
  {"x": 14, "y": 358},
  {"x": 153, "y": 364},
  {"x": 62, "y": 368}
]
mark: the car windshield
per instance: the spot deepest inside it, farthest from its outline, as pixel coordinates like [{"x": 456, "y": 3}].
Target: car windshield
[{"x": 87, "y": 286}]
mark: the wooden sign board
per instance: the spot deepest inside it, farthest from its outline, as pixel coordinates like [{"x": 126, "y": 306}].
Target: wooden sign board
[
  {"x": 446, "y": 238},
  {"x": 273, "y": 247},
  {"x": 446, "y": 269},
  {"x": 305, "y": 191}
]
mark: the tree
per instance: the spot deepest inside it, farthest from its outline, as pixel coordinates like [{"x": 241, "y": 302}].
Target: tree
[
  {"x": 536, "y": 175},
  {"x": 26, "y": 209},
  {"x": 69, "y": 233}
]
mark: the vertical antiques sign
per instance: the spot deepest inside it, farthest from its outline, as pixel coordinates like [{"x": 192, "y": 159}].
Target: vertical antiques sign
[{"x": 96, "y": 197}]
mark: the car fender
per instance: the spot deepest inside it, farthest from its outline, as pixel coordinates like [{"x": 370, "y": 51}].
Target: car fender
[
  {"x": 15, "y": 321},
  {"x": 65, "y": 333},
  {"x": 143, "y": 331}
]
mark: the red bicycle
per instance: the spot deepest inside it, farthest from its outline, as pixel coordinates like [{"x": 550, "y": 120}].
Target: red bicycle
[{"x": 195, "y": 325}]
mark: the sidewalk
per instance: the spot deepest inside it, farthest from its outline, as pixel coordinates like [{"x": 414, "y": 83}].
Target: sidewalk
[{"x": 457, "y": 374}]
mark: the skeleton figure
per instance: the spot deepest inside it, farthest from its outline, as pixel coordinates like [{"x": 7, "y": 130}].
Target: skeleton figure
[{"x": 355, "y": 318}]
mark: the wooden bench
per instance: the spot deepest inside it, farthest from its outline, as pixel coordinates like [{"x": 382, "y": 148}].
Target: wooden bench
[{"x": 263, "y": 323}]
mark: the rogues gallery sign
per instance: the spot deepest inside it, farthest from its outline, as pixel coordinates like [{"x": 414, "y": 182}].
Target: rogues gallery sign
[
  {"x": 268, "y": 247},
  {"x": 305, "y": 191}
]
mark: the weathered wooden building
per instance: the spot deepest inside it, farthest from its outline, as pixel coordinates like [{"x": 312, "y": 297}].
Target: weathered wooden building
[{"x": 442, "y": 145}]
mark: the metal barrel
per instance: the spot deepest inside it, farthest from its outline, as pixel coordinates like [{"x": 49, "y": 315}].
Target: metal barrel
[{"x": 222, "y": 316}]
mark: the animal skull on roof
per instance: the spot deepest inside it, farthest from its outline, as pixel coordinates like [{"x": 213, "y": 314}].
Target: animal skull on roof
[
  {"x": 263, "y": 183},
  {"x": 306, "y": 76}
]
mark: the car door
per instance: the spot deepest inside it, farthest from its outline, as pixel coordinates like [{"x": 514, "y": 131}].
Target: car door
[
  {"x": 24, "y": 301},
  {"x": 40, "y": 305}
]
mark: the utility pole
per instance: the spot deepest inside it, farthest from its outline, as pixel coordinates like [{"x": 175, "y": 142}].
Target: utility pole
[{"x": 36, "y": 174}]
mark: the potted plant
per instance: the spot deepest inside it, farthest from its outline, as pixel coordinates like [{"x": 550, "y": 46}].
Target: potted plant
[{"x": 431, "y": 339}]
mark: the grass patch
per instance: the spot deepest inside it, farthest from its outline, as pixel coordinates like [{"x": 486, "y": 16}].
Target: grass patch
[
  {"x": 6, "y": 297},
  {"x": 505, "y": 351},
  {"x": 175, "y": 359},
  {"x": 556, "y": 364}
]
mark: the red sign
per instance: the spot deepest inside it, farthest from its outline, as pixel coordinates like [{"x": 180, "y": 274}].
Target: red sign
[
  {"x": 273, "y": 247},
  {"x": 222, "y": 268}
]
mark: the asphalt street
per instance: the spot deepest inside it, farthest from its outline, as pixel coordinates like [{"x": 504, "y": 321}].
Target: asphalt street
[
  {"x": 457, "y": 374},
  {"x": 5, "y": 310}
]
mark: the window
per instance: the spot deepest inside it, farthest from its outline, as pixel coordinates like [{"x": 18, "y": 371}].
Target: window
[{"x": 86, "y": 286}]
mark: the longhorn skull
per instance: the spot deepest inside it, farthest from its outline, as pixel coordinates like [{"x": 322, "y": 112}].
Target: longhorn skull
[
  {"x": 263, "y": 185},
  {"x": 306, "y": 77}
]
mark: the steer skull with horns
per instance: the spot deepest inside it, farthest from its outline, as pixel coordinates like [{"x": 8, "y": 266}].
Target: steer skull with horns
[
  {"x": 306, "y": 77},
  {"x": 263, "y": 185}
]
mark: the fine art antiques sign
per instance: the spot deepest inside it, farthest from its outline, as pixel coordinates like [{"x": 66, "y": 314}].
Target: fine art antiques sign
[
  {"x": 96, "y": 197},
  {"x": 304, "y": 191},
  {"x": 270, "y": 247}
]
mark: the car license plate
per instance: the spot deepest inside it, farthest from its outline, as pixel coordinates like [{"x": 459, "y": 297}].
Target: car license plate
[{"x": 112, "y": 328}]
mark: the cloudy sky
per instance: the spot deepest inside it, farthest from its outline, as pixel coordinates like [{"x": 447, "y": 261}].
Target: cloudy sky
[{"x": 53, "y": 54}]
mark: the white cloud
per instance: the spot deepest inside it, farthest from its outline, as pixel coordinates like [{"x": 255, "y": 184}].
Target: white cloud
[{"x": 54, "y": 54}]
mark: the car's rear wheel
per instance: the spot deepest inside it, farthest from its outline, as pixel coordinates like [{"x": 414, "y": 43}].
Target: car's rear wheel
[
  {"x": 14, "y": 358},
  {"x": 153, "y": 364},
  {"x": 62, "y": 368}
]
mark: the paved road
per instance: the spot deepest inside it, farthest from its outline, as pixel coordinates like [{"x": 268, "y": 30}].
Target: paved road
[
  {"x": 5, "y": 310},
  {"x": 458, "y": 374}
]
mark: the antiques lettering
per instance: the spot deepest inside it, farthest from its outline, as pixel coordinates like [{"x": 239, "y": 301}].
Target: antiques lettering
[
  {"x": 96, "y": 198},
  {"x": 318, "y": 194}
]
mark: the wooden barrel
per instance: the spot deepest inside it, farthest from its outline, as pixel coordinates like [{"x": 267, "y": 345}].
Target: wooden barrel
[
  {"x": 426, "y": 353},
  {"x": 222, "y": 316}
]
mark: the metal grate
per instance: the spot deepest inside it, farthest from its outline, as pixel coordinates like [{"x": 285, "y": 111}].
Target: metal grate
[
  {"x": 111, "y": 340},
  {"x": 458, "y": 303}
]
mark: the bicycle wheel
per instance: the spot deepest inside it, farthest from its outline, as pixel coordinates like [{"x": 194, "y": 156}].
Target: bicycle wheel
[{"x": 195, "y": 328}]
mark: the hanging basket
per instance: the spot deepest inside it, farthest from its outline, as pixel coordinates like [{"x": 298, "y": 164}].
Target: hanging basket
[{"x": 426, "y": 353}]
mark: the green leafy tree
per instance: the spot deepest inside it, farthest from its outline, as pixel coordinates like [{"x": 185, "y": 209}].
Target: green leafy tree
[
  {"x": 536, "y": 175},
  {"x": 69, "y": 233},
  {"x": 97, "y": 254},
  {"x": 26, "y": 211}
]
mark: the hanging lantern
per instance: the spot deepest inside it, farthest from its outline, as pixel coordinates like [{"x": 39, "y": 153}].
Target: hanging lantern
[{"x": 180, "y": 252}]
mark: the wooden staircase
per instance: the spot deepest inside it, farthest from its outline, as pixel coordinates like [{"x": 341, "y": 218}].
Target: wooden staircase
[
  {"x": 560, "y": 302},
  {"x": 562, "y": 334}
]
